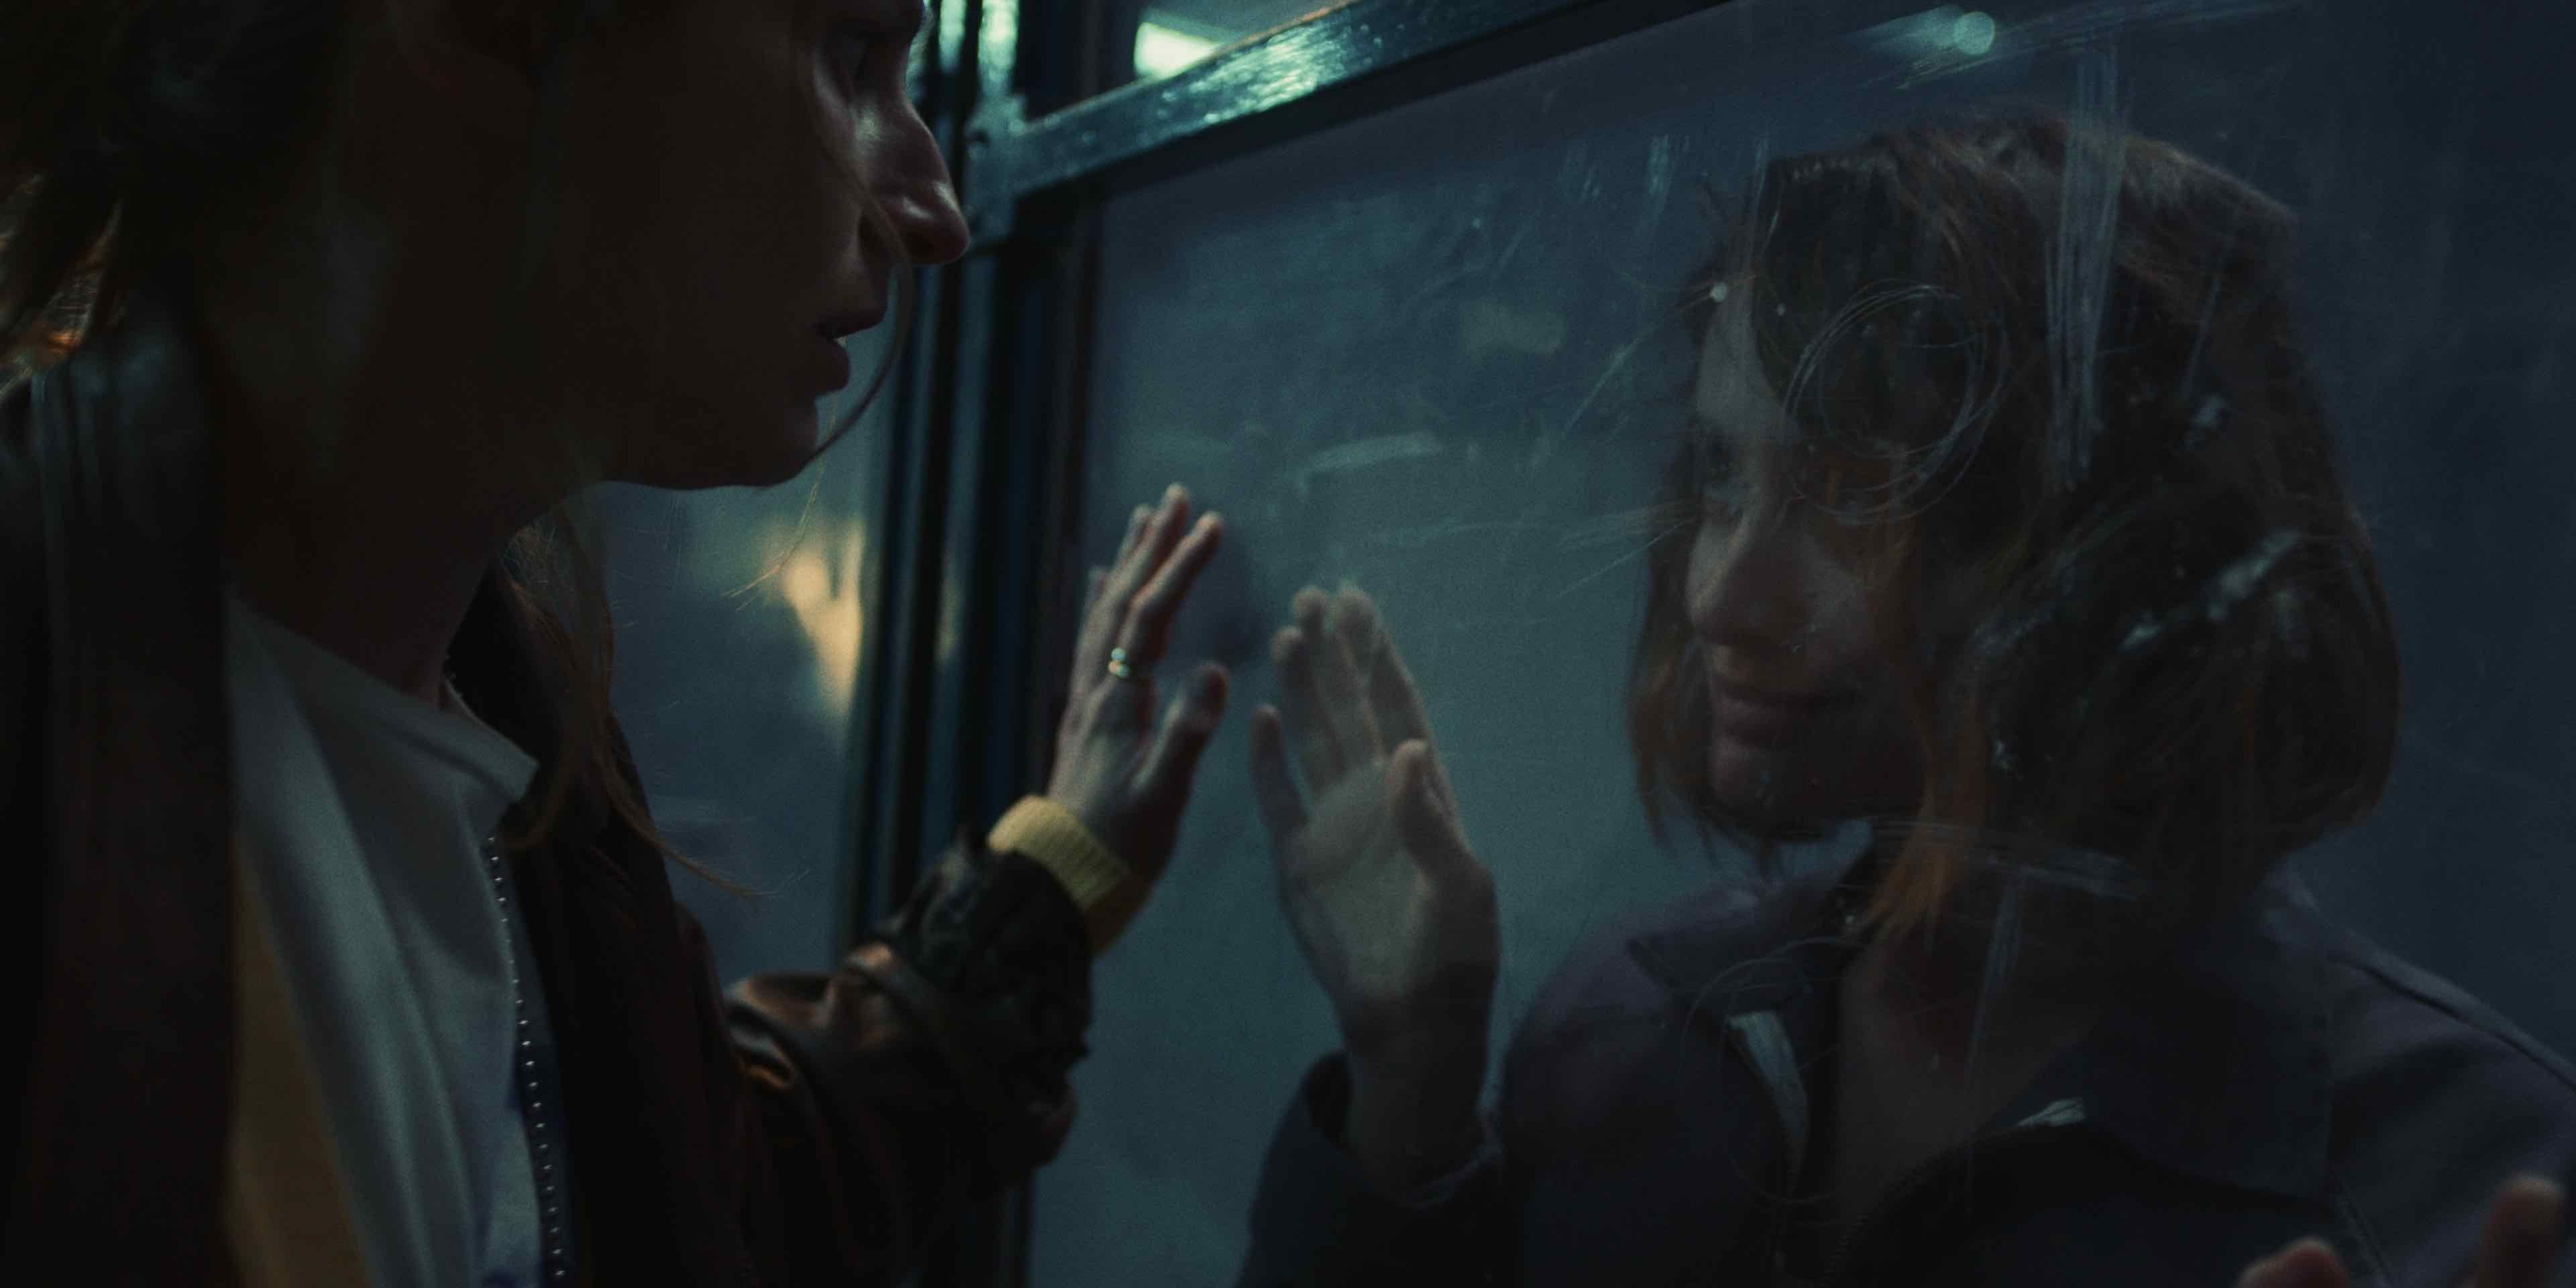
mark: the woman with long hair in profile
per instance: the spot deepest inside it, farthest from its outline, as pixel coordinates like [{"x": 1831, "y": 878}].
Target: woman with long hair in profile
[
  {"x": 344, "y": 945},
  {"x": 2006, "y": 521}
]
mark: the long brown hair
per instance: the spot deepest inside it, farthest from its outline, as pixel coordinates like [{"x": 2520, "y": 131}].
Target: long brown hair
[
  {"x": 2052, "y": 369},
  {"x": 119, "y": 120}
]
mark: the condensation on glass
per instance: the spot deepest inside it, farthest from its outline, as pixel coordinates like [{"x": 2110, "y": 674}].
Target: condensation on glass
[{"x": 1435, "y": 355}]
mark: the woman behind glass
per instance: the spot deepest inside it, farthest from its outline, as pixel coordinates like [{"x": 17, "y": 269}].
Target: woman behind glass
[{"x": 2008, "y": 522}]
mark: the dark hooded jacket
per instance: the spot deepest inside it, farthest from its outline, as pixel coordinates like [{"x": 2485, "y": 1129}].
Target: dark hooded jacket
[
  {"x": 2274, "y": 1077},
  {"x": 812, "y": 1128}
]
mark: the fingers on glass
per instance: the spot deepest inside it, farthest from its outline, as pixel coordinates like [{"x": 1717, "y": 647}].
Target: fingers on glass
[
  {"x": 1188, "y": 724},
  {"x": 1318, "y": 755},
  {"x": 1273, "y": 788},
  {"x": 1421, "y": 818},
  {"x": 1149, "y": 619},
  {"x": 1135, "y": 529},
  {"x": 1104, "y": 609},
  {"x": 1090, "y": 654},
  {"x": 1394, "y": 702},
  {"x": 1163, "y": 531},
  {"x": 1107, "y": 621},
  {"x": 1092, "y": 585},
  {"x": 1137, "y": 559},
  {"x": 1337, "y": 677}
]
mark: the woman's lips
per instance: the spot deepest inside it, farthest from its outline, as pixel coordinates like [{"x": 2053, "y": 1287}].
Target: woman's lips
[
  {"x": 832, "y": 365},
  {"x": 1769, "y": 715},
  {"x": 831, "y": 368},
  {"x": 841, "y": 326}
]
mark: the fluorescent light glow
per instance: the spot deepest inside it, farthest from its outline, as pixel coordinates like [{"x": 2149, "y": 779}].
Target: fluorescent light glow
[
  {"x": 1161, "y": 51},
  {"x": 1972, "y": 33},
  {"x": 1939, "y": 36}
]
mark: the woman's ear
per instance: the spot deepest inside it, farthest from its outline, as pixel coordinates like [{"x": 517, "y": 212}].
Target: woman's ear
[{"x": 482, "y": 61}]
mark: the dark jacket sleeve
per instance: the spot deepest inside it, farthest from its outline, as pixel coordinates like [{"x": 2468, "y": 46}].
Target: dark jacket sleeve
[
  {"x": 22, "y": 627},
  {"x": 924, "y": 1074},
  {"x": 1316, "y": 1221},
  {"x": 22, "y": 630}
]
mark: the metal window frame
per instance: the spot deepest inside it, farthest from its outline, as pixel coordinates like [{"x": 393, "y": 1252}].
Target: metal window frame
[{"x": 972, "y": 597}]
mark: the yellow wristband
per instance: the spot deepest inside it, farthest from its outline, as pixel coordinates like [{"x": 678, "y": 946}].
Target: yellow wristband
[{"x": 1102, "y": 885}]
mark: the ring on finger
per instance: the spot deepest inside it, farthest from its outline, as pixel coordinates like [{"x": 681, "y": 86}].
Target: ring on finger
[{"x": 1119, "y": 667}]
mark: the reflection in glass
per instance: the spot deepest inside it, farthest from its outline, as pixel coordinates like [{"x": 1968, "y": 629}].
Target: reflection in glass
[
  {"x": 818, "y": 576},
  {"x": 740, "y": 616},
  {"x": 1472, "y": 366},
  {"x": 2007, "y": 522}
]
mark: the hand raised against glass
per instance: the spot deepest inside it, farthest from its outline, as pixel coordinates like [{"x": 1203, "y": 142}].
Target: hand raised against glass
[
  {"x": 1393, "y": 911},
  {"x": 1126, "y": 777}
]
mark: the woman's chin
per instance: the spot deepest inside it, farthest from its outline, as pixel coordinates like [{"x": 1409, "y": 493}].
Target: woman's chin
[
  {"x": 785, "y": 455},
  {"x": 688, "y": 445},
  {"x": 1802, "y": 778},
  {"x": 1770, "y": 789}
]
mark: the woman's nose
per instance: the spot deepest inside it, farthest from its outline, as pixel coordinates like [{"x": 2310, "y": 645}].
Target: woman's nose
[
  {"x": 1745, "y": 583},
  {"x": 919, "y": 198}
]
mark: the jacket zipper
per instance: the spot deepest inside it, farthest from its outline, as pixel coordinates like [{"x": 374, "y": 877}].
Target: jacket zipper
[{"x": 1915, "y": 1181}]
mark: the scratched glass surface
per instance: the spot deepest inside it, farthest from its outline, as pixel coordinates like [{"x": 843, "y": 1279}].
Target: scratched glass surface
[
  {"x": 1434, "y": 355},
  {"x": 739, "y": 623}
]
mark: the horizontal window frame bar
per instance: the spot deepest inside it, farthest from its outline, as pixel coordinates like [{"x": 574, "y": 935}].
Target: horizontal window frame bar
[{"x": 1340, "y": 64}]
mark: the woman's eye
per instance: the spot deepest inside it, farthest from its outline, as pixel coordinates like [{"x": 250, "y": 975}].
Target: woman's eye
[
  {"x": 1721, "y": 501},
  {"x": 1721, "y": 484},
  {"x": 1721, "y": 495}
]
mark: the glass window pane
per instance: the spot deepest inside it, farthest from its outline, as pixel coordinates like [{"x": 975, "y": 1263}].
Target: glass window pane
[
  {"x": 1458, "y": 357},
  {"x": 739, "y": 623}
]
